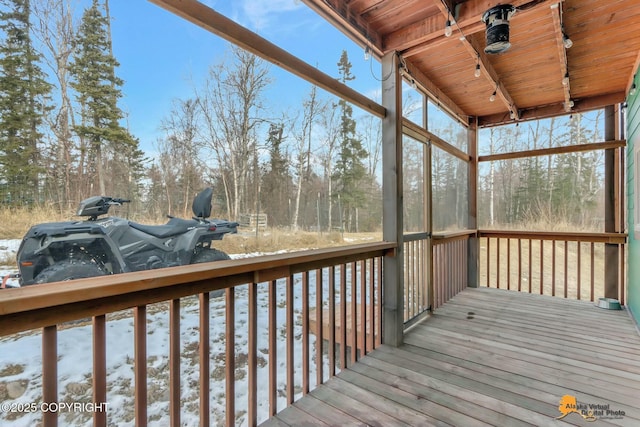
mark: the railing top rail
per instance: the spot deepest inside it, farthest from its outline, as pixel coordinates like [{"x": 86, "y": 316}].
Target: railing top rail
[
  {"x": 447, "y": 236},
  {"x": 615, "y": 238},
  {"x": 412, "y": 237},
  {"x": 64, "y": 301}
]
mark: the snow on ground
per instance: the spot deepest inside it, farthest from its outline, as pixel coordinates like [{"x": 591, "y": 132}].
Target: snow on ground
[
  {"x": 21, "y": 360},
  {"x": 8, "y": 249}
]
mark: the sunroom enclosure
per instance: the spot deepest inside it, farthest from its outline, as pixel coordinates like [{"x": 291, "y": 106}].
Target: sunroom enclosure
[{"x": 367, "y": 295}]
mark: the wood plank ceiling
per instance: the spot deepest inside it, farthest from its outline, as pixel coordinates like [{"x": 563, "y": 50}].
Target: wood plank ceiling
[{"x": 528, "y": 77}]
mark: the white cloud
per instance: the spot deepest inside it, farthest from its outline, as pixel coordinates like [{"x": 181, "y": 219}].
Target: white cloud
[{"x": 262, "y": 14}]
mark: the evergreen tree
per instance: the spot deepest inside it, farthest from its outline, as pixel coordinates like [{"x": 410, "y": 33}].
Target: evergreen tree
[
  {"x": 276, "y": 188},
  {"x": 349, "y": 171},
  {"x": 98, "y": 91},
  {"x": 23, "y": 94}
]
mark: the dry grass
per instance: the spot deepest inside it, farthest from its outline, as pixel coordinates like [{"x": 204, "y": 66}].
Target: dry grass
[
  {"x": 15, "y": 222},
  {"x": 276, "y": 240},
  {"x": 510, "y": 269}
]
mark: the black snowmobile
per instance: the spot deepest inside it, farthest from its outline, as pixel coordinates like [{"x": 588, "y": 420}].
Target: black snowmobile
[{"x": 96, "y": 246}]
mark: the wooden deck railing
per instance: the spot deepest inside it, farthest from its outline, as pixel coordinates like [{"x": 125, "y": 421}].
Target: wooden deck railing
[
  {"x": 332, "y": 316},
  {"x": 416, "y": 279},
  {"x": 569, "y": 265},
  {"x": 450, "y": 264},
  {"x": 449, "y": 261}
]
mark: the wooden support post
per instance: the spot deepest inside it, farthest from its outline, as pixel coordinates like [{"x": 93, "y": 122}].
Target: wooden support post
[
  {"x": 611, "y": 203},
  {"x": 473, "y": 242},
  {"x": 428, "y": 200},
  {"x": 393, "y": 322}
]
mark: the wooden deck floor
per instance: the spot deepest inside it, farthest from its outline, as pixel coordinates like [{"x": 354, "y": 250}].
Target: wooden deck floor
[{"x": 489, "y": 357}]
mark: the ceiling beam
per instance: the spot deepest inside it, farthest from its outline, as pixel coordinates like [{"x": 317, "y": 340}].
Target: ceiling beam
[
  {"x": 436, "y": 95},
  {"x": 212, "y": 21},
  {"x": 339, "y": 14},
  {"x": 580, "y": 105},
  {"x": 556, "y": 13},
  {"x": 487, "y": 70},
  {"x": 468, "y": 21}
]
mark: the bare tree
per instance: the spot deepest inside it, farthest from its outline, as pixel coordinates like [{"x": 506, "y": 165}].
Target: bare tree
[
  {"x": 179, "y": 152},
  {"x": 312, "y": 109},
  {"x": 330, "y": 121},
  {"x": 54, "y": 28},
  {"x": 231, "y": 104}
]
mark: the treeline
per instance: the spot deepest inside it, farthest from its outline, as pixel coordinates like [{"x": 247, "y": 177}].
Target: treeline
[
  {"x": 561, "y": 192},
  {"x": 564, "y": 191},
  {"x": 63, "y": 138},
  {"x": 313, "y": 168}
]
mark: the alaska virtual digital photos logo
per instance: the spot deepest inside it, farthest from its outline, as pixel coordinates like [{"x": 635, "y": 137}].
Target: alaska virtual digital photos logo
[{"x": 589, "y": 411}]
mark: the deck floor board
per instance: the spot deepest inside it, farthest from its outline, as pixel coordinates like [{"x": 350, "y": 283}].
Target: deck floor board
[{"x": 489, "y": 357}]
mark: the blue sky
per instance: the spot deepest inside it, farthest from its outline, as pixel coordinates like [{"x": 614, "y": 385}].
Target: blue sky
[{"x": 162, "y": 55}]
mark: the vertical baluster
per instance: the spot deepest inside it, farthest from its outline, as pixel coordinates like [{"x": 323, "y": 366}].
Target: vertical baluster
[
  {"x": 372, "y": 305},
  {"x": 363, "y": 308},
  {"x": 273, "y": 350},
  {"x": 204, "y": 355},
  {"x": 354, "y": 315},
  {"x": 553, "y": 268},
  {"x": 407, "y": 288},
  {"x": 438, "y": 275},
  {"x": 566, "y": 266},
  {"x": 305, "y": 332},
  {"x": 99, "y": 369},
  {"x": 621, "y": 275},
  {"x": 319, "y": 328},
  {"x": 541, "y": 266},
  {"x": 423, "y": 275},
  {"x": 140, "y": 364},
  {"x": 174, "y": 363},
  {"x": 508, "y": 264},
  {"x": 332, "y": 321},
  {"x": 579, "y": 276},
  {"x": 498, "y": 263},
  {"x": 453, "y": 267},
  {"x": 414, "y": 282},
  {"x": 465, "y": 264},
  {"x": 420, "y": 280},
  {"x": 378, "y": 341},
  {"x": 457, "y": 266},
  {"x": 252, "y": 357},
  {"x": 230, "y": 356},
  {"x": 343, "y": 316},
  {"x": 593, "y": 264},
  {"x": 519, "y": 264},
  {"x": 530, "y": 265},
  {"x": 488, "y": 261},
  {"x": 50, "y": 373},
  {"x": 448, "y": 257},
  {"x": 290, "y": 336}
]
